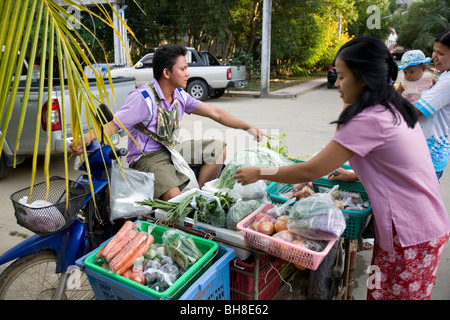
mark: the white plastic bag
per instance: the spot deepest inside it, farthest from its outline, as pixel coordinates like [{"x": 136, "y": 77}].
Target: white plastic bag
[
  {"x": 127, "y": 191},
  {"x": 43, "y": 215},
  {"x": 253, "y": 191}
]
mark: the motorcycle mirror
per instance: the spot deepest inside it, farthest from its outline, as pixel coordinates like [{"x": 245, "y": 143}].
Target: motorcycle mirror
[{"x": 104, "y": 115}]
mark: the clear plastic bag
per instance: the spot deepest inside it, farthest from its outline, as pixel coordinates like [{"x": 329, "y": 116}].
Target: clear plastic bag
[
  {"x": 281, "y": 210},
  {"x": 212, "y": 208},
  {"x": 181, "y": 248},
  {"x": 317, "y": 217},
  {"x": 260, "y": 157},
  {"x": 127, "y": 191},
  {"x": 351, "y": 201},
  {"x": 253, "y": 191},
  {"x": 240, "y": 210}
]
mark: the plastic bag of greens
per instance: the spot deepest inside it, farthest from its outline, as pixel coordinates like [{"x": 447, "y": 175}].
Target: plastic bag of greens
[
  {"x": 259, "y": 157},
  {"x": 181, "y": 248},
  {"x": 212, "y": 208},
  {"x": 239, "y": 211},
  {"x": 317, "y": 217}
]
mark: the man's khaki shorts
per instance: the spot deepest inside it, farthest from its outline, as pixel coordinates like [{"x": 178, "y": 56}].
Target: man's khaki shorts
[{"x": 195, "y": 152}]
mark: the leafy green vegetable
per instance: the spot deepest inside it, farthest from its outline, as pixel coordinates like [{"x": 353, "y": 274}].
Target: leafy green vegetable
[
  {"x": 226, "y": 179},
  {"x": 213, "y": 210},
  {"x": 260, "y": 157}
]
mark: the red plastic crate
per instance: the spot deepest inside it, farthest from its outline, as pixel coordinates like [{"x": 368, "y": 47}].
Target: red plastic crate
[{"x": 268, "y": 286}]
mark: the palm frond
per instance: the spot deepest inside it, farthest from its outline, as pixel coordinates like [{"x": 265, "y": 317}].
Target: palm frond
[{"x": 45, "y": 35}]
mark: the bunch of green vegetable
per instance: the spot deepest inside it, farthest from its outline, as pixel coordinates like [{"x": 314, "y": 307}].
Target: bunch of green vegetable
[
  {"x": 213, "y": 210},
  {"x": 226, "y": 179},
  {"x": 175, "y": 211}
]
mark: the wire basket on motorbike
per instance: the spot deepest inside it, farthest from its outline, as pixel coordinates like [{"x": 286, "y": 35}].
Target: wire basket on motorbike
[{"x": 45, "y": 211}]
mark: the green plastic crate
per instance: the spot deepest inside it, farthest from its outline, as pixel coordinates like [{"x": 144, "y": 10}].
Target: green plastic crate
[
  {"x": 207, "y": 247},
  {"x": 356, "y": 220}
]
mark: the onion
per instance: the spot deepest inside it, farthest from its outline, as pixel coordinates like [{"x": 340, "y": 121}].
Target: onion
[
  {"x": 285, "y": 235},
  {"x": 281, "y": 223},
  {"x": 266, "y": 227}
]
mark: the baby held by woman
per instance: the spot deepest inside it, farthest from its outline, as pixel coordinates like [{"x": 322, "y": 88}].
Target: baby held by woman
[{"x": 417, "y": 79}]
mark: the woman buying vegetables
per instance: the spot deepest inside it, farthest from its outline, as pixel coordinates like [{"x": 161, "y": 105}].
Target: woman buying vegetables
[{"x": 378, "y": 133}]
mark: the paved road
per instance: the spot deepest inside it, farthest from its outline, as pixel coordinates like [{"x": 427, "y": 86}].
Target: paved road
[{"x": 304, "y": 118}]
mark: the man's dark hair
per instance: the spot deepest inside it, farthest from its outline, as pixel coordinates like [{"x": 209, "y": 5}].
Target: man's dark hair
[{"x": 165, "y": 57}]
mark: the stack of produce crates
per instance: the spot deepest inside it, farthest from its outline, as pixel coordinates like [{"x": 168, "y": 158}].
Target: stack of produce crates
[
  {"x": 207, "y": 279},
  {"x": 242, "y": 278}
]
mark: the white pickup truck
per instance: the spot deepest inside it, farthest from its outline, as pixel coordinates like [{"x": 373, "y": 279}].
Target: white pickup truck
[
  {"x": 122, "y": 87},
  {"x": 207, "y": 77}
]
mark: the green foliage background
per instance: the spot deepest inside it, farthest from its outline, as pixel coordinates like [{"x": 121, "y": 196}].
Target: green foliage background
[{"x": 305, "y": 34}]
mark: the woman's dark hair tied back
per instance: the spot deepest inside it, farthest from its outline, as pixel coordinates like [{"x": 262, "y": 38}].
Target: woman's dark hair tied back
[
  {"x": 370, "y": 61},
  {"x": 444, "y": 38},
  {"x": 393, "y": 70}
]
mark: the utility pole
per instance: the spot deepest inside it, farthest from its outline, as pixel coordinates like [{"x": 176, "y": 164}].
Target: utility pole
[
  {"x": 117, "y": 44},
  {"x": 265, "y": 47}
]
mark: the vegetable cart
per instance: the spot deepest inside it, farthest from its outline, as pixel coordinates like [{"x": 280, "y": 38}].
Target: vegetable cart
[
  {"x": 206, "y": 279},
  {"x": 259, "y": 269}
]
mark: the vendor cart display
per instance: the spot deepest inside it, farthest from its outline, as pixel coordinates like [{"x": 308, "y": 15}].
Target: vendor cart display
[{"x": 109, "y": 283}]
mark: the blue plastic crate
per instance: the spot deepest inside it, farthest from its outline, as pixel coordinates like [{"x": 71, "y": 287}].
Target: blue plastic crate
[{"x": 213, "y": 284}]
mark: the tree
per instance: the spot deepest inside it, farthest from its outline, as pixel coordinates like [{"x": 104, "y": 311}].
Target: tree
[
  {"x": 305, "y": 34},
  {"x": 418, "y": 27},
  {"x": 373, "y": 18}
]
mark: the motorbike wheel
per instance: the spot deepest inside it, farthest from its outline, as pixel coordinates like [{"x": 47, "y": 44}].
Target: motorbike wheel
[{"x": 33, "y": 277}]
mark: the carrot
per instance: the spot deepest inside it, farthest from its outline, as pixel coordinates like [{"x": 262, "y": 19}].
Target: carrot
[
  {"x": 138, "y": 252},
  {"x": 127, "y": 273},
  {"x": 128, "y": 225},
  {"x": 129, "y": 236},
  {"x": 124, "y": 259},
  {"x": 136, "y": 276}
]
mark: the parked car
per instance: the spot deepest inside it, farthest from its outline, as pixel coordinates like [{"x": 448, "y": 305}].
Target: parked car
[
  {"x": 332, "y": 76},
  {"x": 207, "y": 77},
  {"x": 122, "y": 87}
]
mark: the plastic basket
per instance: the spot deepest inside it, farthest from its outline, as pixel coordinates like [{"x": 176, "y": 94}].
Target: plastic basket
[
  {"x": 211, "y": 285},
  {"x": 111, "y": 286},
  {"x": 242, "y": 278},
  {"x": 279, "y": 248},
  {"x": 52, "y": 218},
  {"x": 355, "y": 220},
  {"x": 214, "y": 284}
]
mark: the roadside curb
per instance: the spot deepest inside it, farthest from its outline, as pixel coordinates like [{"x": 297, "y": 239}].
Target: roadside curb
[{"x": 290, "y": 92}]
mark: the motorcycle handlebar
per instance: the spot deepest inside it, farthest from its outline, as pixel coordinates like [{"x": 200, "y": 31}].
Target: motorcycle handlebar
[{"x": 120, "y": 153}]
